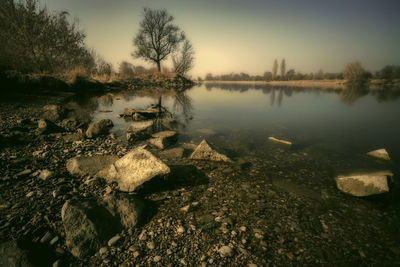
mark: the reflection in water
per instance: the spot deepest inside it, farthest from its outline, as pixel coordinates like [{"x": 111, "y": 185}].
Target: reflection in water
[{"x": 348, "y": 96}]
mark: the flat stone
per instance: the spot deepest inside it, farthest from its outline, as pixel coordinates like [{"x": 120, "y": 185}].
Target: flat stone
[
  {"x": 364, "y": 184},
  {"x": 135, "y": 168},
  {"x": 139, "y": 130},
  {"x": 176, "y": 152},
  {"x": 276, "y": 140},
  {"x": 89, "y": 165},
  {"x": 208, "y": 152},
  {"x": 380, "y": 154},
  {"x": 164, "y": 139}
]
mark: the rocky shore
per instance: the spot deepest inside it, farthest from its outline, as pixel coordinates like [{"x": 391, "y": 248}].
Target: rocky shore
[{"x": 199, "y": 207}]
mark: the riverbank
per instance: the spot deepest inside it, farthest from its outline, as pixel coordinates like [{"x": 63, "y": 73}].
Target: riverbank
[
  {"x": 321, "y": 84},
  {"x": 280, "y": 210}
]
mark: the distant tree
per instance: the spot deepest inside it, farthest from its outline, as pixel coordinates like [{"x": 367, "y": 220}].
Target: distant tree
[
  {"x": 267, "y": 76},
  {"x": 274, "y": 69},
  {"x": 319, "y": 75},
  {"x": 355, "y": 72},
  {"x": 209, "y": 77},
  {"x": 389, "y": 72},
  {"x": 158, "y": 37},
  {"x": 199, "y": 79},
  {"x": 183, "y": 61},
  {"x": 126, "y": 69},
  {"x": 283, "y": 69},
  {"x": 290, "y": 74},
  {"x": 139, "y": 69}
]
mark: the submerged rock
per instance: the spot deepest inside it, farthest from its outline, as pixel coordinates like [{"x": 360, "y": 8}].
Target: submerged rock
[
  {"x": 89, "y": 165},
  {"x": 364, "y": 184},
  {"x": 208, "y": 152},
  {"x": 139, "y": 131},
  {"x": 87, "y": 226},
  {"x": 164, "y": 139},
  {"x": 380, "y": 154},
  {"x": 176, "y": 152},
  {"x": 273, "y": 139},
  {"x": 99, "y": 128},
  {"x": 135, "y": 168}
]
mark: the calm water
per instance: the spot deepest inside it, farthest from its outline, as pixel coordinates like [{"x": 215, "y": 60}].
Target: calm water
[{"x": 338, "y": 123}]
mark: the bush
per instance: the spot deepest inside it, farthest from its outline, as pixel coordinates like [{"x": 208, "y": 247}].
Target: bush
[{"x": 355, "y": 72}]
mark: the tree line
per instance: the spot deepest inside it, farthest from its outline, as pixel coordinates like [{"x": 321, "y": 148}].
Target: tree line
[{"x": 353, "y": 72}]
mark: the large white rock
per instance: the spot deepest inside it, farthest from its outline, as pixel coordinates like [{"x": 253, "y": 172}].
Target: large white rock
[
  {"x": 206, "y": 151},
  {"x": 135, "y": 168},
  {"x": 380, "y": 154},
  {"x": 89, "y": 165},
  {"x": 364, "y": 184}
]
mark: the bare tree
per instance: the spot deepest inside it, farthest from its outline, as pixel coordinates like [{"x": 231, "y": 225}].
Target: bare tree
[
  {"x": 355, "y": 72},
  {"x": 274, "y": 69},
  {"x": 183, "y": 61},
  {"x": 158, "y": 37},
  {"x": 283, "y": 69}
]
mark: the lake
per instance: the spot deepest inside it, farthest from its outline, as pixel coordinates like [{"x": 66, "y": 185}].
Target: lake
[{"x": 331, "y": 130}]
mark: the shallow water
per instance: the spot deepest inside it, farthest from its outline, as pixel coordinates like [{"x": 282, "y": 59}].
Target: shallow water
[{"x": 339, "y": 122}]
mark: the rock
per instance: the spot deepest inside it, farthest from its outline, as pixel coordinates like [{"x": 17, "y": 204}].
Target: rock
[
  {"x": 47, "y": 127},
  {"x": 138, "y": 117},
  {"x": 135, "y": 168},
  {"x": 70, "y": 124},
  {"x": 46, "y": 238},
  {"x": 99, "y": 128},
  {"x": 164, "y": 139},
  {"x": 12, "y": 255},
  {"x": 176, "y": 152},
  {"x": 364, "y": 184},
  {"x": 157, "y": 258},
  {"x": 208, "y": 152},
  {"x": 146, "y": 113},
  {"x": 180, "y": 230},
  {"x": 150, "y": 245},
  {"x": 273, "y": 139},
  {"x": 45, "y": 174},
  {"x": 103, "y": 250},
  {"x": 87, "y": 226},
  {"x": 53, "y": 112},
  {"x": 54, "y": 240},
  {"x": 380, "y": 154},
  {"x": 125, "y": 207},
  {"x": 225, "y": 251},
  {"x": 24, "y": 172},
  {"x": 89, "y": 165},
  {"x": 113, "y": 240},
  {"x": 70, "y": 138},
  {"x": 139, "y": 131}
]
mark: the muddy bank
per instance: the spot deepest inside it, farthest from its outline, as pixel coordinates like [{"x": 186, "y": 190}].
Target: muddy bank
[{"x": 262, "y": 211}]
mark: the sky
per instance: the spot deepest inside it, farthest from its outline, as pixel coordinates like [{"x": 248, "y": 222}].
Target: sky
[{"x": 247, "y": 35}]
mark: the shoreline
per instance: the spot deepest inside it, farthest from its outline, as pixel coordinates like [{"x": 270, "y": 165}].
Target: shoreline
[{"x": 322, "y": 84}]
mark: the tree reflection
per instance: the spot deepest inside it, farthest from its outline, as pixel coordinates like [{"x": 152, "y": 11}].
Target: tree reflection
[{"x": 353, "y": 93}]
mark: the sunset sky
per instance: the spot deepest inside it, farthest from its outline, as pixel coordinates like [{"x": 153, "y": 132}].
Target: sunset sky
[{"x": 246, "y": 36}]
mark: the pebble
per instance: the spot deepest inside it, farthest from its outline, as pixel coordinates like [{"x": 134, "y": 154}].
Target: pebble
[
  {"x": 252, "y": 265},
  {"x": 180, "y": 230},
  {"x": 151, "y": 245},
  {"x": 136, "y": 254},
  {"x": 113, "y": 240},
  {"x": 47, "y": 237},
  {"x": 103, "y": 250},
  {"x": 157, "y": 258},
  {"x": 30, "y": 194},
  {"x": 225, "y": 251},
  {"x": 45, "y": 174}
]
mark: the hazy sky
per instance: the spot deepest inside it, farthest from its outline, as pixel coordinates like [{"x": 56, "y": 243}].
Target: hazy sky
[{"x": 247, "y": 35}]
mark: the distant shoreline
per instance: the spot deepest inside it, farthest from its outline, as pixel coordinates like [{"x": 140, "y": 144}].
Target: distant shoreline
[{"x": 324, "y": 84}]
